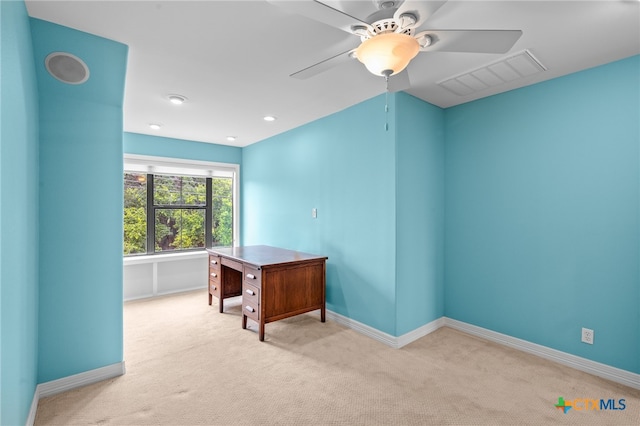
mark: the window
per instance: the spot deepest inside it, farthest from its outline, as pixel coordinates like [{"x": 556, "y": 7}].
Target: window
[
  {"x": 180, "y": 207},
  {"x": 135, "y": 213},
  {"x": 175, "y": 208}
]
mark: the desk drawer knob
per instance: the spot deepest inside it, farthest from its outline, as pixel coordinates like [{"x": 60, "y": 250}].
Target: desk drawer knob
[
  {"x": 213, "y": 274},
  {"x": 249, "y": 308},
  {"x": 250, "y": 292},
  {"x": 213, "y": 287},
  {"x": 251, "y": 276},
  {"x": 214, "y": 262}
]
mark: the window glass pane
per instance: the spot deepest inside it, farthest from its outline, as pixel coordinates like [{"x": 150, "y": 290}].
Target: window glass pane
[
  {"x": 222, "y": 206},
  {"x": 179, "y": 229},
  {"x": 177, "y": 214},
  {"x": 135, "y": 213},
  {"x": 179, "y": 190}
]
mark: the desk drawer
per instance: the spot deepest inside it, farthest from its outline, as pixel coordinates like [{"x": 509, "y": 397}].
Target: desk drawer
[
  {"x": 214, "y": 275},
  {"x": 214, "y": 289},
  {"x": 250, "y": 294},
  {"x": 250, "y": 309},
  {"x": 232, "y": 264},
  {"x": 252, "y": 276},
  {"x": 214, "y": 263}
]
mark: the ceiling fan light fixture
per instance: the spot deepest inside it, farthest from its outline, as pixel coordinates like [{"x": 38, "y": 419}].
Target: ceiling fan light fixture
[{"x": 387, "y": 51}]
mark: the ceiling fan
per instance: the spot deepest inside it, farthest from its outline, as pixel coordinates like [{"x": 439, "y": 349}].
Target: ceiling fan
[{"x": 392, "y": 35}]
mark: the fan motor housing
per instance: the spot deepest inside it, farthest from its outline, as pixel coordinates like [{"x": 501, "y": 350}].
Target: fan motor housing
[{"x": 383, "y": 26}]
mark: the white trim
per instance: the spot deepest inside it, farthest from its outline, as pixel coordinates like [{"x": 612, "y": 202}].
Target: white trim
[
  {"x": 31, "y": 418},
  {"x": 81, "y": 379},
  {"x": 382, "y": 337},
  {"x": 419, "y": 332},
  {"x": 155, "y": 258},
  {"x": 72, "y": 382},
  {"x": 608, "y": 372},
  {"x": 614, "y": 374},
  {"x": 205, "y": 168},
  {"x": 154, "y": 277},
  {"x": 361, "y": 328},
  {"x": 152, "y": 163}
]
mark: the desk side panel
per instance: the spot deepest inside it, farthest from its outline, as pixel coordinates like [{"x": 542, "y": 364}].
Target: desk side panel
[{"x": 292, "y": 290}]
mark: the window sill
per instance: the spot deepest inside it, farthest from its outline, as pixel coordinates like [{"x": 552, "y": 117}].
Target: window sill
[{"x": 169, "y": 257}]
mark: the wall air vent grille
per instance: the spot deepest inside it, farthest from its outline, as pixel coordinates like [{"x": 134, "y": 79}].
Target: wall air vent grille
[
  {"x": 67, "y": 68},
  {"x": 519, "y": 65}
]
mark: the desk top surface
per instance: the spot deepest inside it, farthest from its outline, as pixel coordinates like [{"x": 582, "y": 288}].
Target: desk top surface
[{"x": 263, "y": 255}]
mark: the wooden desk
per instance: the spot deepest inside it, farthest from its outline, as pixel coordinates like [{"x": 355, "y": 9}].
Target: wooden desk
[{"x": 274, "y": 283}]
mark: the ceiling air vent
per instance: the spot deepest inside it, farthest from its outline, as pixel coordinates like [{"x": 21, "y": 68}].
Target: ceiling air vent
[
  {"x": 519, "y": 65},
  {"x": 67, "y": 68}
]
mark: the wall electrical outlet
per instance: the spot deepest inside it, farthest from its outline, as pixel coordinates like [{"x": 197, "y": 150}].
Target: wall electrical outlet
[
  {"x": 587, "y": 336},
  {"x": 314, "y": 213}
]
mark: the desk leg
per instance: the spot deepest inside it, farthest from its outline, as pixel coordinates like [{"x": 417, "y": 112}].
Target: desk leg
[
  {"x": 221, "y": 303},
  {"x": 244, "y": 322},
  {"x": 261, "y": 330},
  {"x": 322, "y": 314},
  {"x": 210, "y": 299}
]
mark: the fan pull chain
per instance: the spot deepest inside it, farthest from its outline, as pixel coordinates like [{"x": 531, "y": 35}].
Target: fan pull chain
[{"x": 386, "y": 104}]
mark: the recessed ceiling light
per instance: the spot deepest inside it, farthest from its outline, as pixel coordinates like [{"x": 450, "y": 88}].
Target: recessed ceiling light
[
  {"x": 155, "y": 126},
  {"x": 177, "y": 99},
  {"x": 269, "y": 118},
  {"x": 231, "y": 138}
]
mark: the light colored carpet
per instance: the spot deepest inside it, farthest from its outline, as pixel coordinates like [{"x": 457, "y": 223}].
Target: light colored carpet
[{"x": 187, "y": 364}]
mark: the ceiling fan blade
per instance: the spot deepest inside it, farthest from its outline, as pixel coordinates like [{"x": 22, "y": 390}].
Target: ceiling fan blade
[
  {"x": 399, "y": 82},
  {"x": 321, "y": 12},
  {"x": 472, "y": 41},
  {"x": 422, "y": 10},
  {"x": 323, "y": 65}
]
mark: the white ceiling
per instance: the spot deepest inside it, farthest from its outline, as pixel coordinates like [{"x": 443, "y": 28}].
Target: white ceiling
[{"x": 232, "y": 59}]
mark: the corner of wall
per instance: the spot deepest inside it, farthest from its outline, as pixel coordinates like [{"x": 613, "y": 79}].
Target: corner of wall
[
  {"x": 18, "y": 214},
  {"x": 81, "y": 155},
  {"x": 419, "y": 204}
]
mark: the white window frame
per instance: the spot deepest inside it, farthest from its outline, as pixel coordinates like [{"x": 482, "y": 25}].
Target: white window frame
[{"x": 178, "y": 166}]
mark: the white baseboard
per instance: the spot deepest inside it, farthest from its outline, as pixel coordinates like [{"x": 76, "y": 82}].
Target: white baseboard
[
  {"x": 419, "y": 332},
  {"x": 71, "y": 382},
  {"x": 614, "y": 374},
  {"x": 382, "y": 337},
  {"x": 361, "y": 328}
]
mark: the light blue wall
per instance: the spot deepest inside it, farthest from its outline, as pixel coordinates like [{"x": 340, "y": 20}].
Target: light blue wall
[
  {"x": 344, "y": 166},
  {"x": 419, "y": 213},
  {"x": 542, "y": 213},
  {"x": 541, "y": 189},
  {"x": 18, "y": 216},
  {"x": 135, "y": 143},
  {"x": 80, "y": 321}
]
